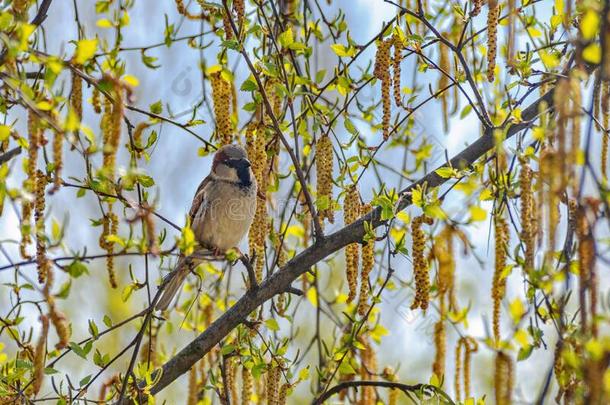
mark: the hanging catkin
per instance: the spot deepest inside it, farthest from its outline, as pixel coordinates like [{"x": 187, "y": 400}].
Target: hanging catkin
[
  {"x": 351, "y": 212},
  {"x": 324, "y": 174},
  {"x": 493, "y": 14},
  {"x": 42, "y": 263},
  {"x": 40, "y": 356},
  {"x": 221, "y": 96},
  {"x": 528, "y": 234},
  {"x": 503, "y": 379},
  {"x": 255, "y": 147},
  {"x": 368, "y": 261},
  {"x": 382, "y": 72},
  {"x": 29, "y": 185},
  {"x": 499, "y": 279},
  {"x": 420, "y": 264}
]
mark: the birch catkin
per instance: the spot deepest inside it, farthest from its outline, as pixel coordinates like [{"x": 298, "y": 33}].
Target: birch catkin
[
  {"x": 351, "y": 211},
  {"x": 382, "y": 72},
  {"x": 39, "y": 206},
  {"x": 492, "y": 41},
  {"x": 324, "y": 174},
  {"x": 368, "y": 261},
  {"x": 221, "y": 96},
  {"x": 499, "y": 280},
  {"x": 420, "y": 264}
]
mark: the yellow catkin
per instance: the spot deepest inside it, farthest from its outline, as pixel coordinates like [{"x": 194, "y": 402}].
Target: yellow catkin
[
  {"x": 58, "y": 143},
  {"x": 221, "y": 96},
  {"x": 274, "y": 96},
  {"x": 96, "y": 101},
  {"x": 368, "y": 370},
  {"x": 281, "y": 261},
  {"x": 443, "y": 81},
  {"x": 351, "y": 212},
  {"x": 586, "y": 265},
  {"x": 240, "y": 10},
  {"x": 440, "y": 343},
  {"x": 471, "y": 347},
  {"x": 457, "y": 385},
  {"x": 60, "y": 323},
  {"x": 283, "y": 394},
  {"x": 191, "y": 398},
  {"x": 20, "y": 8},
  {"x": 575, "y": 113},
  {"x": 368, "y": 261},
  {"x": 109, "y": 227},
  {"x": 148, "y": 353},
  {"x": 477, "y": 5},
  {"x": 39, "y": 356},
  {"x": 246, "y": 385},
  {"x": 382, "y": 72},
  {"x": 559, "y": 138},
  {"x": 58, "y": 319},
  {"x": 492, "y": 42},
  {"x": 109, "y": 383},
  {"x": 499, "y": 279},
  {"x": 255, "y": 147},
  {"x": 396, "y": 60},
  {"x": 549, "y": 161},
  {"x": 149, "y": 226},
  {"x": 226, "y": 22},
  {"x": 442, "y": 250},
  {"x": 273, "y": 383},
  {"x": 463, "y": 355},
  {"x": 111, "y": 125},
  {"x": 39, "y": 206},
  {"x": 324, "y": 174},
  {"x": 605, "y": 114},
  {"x": 76, "y": 95},
  {"x": 230, "y": 389},
  {"x": 29, "y": 185},
  {"x": 390, "y": 375},
  {"x": 528, "y": 235},
  {"x": 503, "y": 379},
  {"x": 137, "y": 137},
  {"x": 420, "y": 264},
  {"x": 182, "y": 10}
]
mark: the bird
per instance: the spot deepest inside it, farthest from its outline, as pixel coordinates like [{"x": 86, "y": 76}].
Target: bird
[{"x": 221, "y": 213}]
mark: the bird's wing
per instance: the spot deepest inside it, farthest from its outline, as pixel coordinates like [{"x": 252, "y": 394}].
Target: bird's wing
[{"x": 200, "y": 198}]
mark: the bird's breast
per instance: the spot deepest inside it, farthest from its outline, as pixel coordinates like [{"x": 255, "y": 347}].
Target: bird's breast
[{"x": 227, "y": 216}]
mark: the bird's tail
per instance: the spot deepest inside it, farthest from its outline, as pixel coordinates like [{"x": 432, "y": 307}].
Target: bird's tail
[{"x": 172, "y": 283}]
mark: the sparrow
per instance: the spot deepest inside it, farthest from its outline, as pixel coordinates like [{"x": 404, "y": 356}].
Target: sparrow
[{"x": 221, "y": 213}]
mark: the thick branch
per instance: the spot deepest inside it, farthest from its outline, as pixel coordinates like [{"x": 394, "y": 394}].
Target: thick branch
[
  {"x": 384, "y": 384},
  {"x": 280, "y": 281},
  {"x": 5, "y": 157}
]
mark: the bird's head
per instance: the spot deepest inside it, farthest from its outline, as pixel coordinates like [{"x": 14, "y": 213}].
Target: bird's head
[{"x": 231, "y": 164}]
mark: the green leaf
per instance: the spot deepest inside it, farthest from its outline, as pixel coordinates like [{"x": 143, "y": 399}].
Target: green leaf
[
  {"x": 349, "y": 125},
  {"x": 272, "y": 324},
  {"x": 93, "y": 329},
  {"x": 227, "y": 349},
  {"x": 85, "y": 380},
  {"x": 77, "y": 269},
  {"x": 249, "y": 85},
  {"x": 345, "y": 368},
  {"x": 465, "y": 111},
  {"x": 341, "y": 50},
  {"x": 107, "y": 321},
  {"x": 156, "y": 108},
  {"x": 286, "y": 38}
]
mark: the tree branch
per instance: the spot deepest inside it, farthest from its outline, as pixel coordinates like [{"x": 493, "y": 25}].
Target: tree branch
[
  {"x": 5, "y": 157},
  {"x": 281, "y": 280},
  {"x": 385, "y": 384}
]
